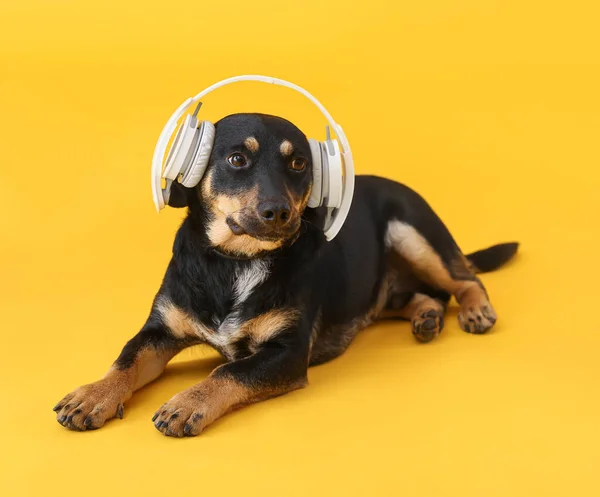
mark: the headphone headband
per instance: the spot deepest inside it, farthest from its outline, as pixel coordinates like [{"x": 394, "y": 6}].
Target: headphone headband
[
  {"x": 161, "y": 146},
  {"x": 279, "y": 82}
]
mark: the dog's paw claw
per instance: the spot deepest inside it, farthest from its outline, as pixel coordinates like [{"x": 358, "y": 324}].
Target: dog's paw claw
[
  {"x": 89, "y": 407},
  {"x": 180, "y": 417}
]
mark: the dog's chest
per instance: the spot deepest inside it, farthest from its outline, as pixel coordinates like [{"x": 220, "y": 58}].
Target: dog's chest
[{"x": 224, "y": 332}]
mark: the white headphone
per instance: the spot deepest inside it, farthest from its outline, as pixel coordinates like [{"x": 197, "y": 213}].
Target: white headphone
[{"x": 333, "y": 167}]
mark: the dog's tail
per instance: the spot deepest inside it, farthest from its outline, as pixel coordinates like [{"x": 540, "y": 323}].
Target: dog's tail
[{"x": 492, "y": 258}]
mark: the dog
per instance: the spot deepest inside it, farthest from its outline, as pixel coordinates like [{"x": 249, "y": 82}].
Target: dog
[{"x": 253, "y": 276}]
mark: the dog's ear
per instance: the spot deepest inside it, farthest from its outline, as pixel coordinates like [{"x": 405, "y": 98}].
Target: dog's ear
[{"x": 179, "y": 195}]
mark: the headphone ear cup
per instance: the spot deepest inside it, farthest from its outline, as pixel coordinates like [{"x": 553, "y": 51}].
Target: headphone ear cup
[
  {"x": 183, "y": 142},
  {"x": 316, "y": 192},
  {"x": 201, "y": 156},
  {"x": 334, "y": 171}
]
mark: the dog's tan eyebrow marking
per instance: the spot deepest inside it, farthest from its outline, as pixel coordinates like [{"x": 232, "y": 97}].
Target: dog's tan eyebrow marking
[
  {"x": 251, "y": 144},
  {"x": 286, "y": 148}
]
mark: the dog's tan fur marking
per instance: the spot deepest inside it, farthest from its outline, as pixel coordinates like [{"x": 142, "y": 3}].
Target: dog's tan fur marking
[
  {"x": 298, "y": 203},
  {"x": 206, "y": 187},
  {"x": 246, "y": 245},
  {"x": 230, "y": 205},
  {"x": 267, "y": 325},
  {"x": 286, "y": 148},
  {"x": 461, "y": 268},
  {"x": 407, "y": 242},
  {"x": 425, "y": 314},
  {"x": 102, "y": 400},
  {"x": 202, "y": 404},
  {"x": 181, "y": 324},
  {"x": 251, "y": 144},
  {"x": 476, "y": 313},
  {"x": 409, "y": 310},
  {"x": 304, "y": 201},
  {"x": 424, "y": 260},
  {"x": 149, "y": 365},
  {"x": 220, "y": 234}
]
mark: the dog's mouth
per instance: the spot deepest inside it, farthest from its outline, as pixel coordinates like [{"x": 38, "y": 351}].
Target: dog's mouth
[
  {"x": 258, "y": 231},
  {"x": 235, "y": 228}
]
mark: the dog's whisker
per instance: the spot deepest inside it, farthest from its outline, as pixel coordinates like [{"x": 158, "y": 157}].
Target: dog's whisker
[
  {"x": 240, "y": 210},
  {"x": 306, "y": 221}
]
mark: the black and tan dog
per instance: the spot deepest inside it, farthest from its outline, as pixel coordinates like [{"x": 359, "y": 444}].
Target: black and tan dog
[{"x": 253, "y": 276}]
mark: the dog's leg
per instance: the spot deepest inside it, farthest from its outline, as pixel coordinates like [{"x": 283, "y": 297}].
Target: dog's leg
[
  {"x": 279, "y": 366},
  {"x": 142, "y": 360},
  {"x": 438, "y": 261},
  {"x": 425, "y": 313}
]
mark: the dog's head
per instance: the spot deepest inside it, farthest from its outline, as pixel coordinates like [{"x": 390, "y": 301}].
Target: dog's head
[{"x": 257, "y": 184}]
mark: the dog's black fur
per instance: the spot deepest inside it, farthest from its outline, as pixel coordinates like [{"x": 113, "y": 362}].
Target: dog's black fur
[{"x": 253, "y": 276}]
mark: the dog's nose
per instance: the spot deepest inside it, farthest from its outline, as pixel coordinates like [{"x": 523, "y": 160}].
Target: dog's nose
[{"x": 276, "y": 214}]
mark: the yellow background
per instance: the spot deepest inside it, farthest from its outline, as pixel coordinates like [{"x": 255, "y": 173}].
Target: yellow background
[{"x": 488, "y": 108}]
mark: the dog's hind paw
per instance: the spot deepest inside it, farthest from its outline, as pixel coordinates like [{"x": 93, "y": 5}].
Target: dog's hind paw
[
  {"x": 477, "y": 318},
  {"x": 428, "y": 324}
]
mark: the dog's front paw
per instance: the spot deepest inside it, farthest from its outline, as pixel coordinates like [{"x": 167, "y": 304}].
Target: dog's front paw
[
  {"x": 186, "y": 414},
  {"x": 477, "y": 318},
  {"x": 90, "y": 406}
]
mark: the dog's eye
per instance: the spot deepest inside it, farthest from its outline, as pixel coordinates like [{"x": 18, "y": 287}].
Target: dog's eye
[
  {"x": 237, "y": 160},
  {"x": 298, "y": 164}
]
